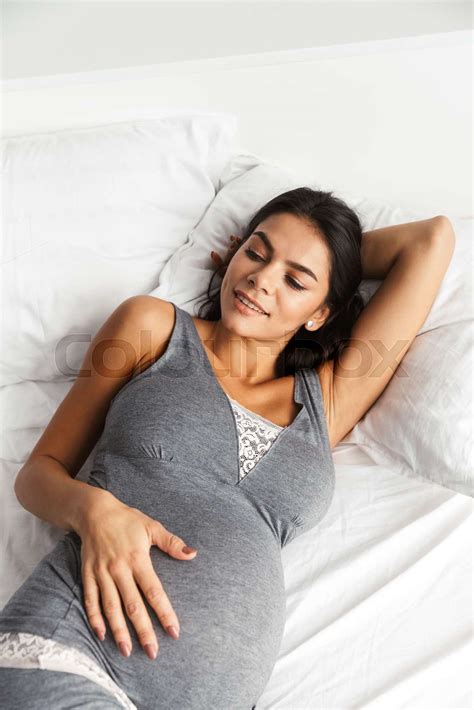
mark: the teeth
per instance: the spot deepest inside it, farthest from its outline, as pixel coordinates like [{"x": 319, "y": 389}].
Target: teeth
[{"x": 249, "y": 304}]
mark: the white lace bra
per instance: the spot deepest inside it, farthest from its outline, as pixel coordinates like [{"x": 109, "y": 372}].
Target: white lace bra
[
  {"x": 256, "y": 435},
  {"x": 24, "y": 650}
]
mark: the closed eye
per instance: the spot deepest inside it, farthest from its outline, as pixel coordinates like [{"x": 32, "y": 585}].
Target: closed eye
[{"x": 256, "y": 257}]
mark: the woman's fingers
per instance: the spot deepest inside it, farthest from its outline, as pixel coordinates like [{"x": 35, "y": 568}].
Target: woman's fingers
[
  {"x": 216, "y": 258},
  {"x": 135, "y": 607},
  {"x": 92, "y": 602},
  {"x": 118, "y": 584},
  {"x": 156, "y": 597},
  {"x": 221, "y": 263},
  {"x": 112, "y": 606},
  {"x": 235, "y": 244},
  {"x": 117, "y": 569}
]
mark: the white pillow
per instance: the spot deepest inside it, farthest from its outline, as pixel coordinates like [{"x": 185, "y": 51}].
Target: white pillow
[
  {"x": 421, "y": 424},
  {"x": 90, "y": 217}
]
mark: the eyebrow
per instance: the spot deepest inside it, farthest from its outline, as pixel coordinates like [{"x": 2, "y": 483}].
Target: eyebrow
[{"x": 264, "y": 237}]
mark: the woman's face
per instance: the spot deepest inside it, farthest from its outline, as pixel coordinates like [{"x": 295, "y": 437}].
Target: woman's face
[{"x": 288, "y": 295}]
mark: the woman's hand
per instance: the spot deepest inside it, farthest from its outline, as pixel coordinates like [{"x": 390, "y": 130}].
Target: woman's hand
[
  {"x": 223, "y": 263},
  {"x": 115, "y": 554}
]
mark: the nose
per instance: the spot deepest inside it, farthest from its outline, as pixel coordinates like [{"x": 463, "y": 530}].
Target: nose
[{"x": 262, "y": 280}]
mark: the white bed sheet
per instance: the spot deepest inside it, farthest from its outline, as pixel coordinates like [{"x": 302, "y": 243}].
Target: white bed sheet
[
  {"x": 379, "y": 594},
  {"x": 379, "y": 597}
]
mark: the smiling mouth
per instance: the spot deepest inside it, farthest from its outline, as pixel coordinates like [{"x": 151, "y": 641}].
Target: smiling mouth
[{"x": 249, "y": 305}]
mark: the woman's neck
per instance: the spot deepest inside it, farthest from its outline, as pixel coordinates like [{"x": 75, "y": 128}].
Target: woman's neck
[{"x": 250, "y": 361}]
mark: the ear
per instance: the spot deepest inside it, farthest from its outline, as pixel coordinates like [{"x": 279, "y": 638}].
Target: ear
[{"x": 319, "y": 317}]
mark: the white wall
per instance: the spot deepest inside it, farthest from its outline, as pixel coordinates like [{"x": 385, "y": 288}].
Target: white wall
[
  {"x": 43, "y": 38},
  {"x": 388, "y": 118}
]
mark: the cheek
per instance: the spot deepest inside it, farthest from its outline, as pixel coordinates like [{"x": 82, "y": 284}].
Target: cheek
[
  {"x": 234, "y": 270},
  {"x": 296, "y": 308},
  {"x": 229, "y": 279}
]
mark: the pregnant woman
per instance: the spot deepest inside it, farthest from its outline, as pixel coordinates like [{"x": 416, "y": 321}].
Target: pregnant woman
[{"x": 216, "y": 433}]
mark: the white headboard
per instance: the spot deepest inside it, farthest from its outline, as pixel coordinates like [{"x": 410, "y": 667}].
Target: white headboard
[{"x": 388, "y": 119}]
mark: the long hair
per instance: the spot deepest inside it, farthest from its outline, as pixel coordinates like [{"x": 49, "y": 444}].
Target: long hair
[{"x": 341, "y": 230}]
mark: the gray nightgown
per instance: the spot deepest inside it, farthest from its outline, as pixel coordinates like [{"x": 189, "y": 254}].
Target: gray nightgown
[{"x": 233, "y": 486}]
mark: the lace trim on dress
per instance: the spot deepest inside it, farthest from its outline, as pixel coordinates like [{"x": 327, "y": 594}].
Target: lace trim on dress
[
  {"x": 256, "y": 435},
  {"x": 23, "y": 650}
]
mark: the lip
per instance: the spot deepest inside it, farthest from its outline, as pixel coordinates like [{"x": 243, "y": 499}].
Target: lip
[
  {"x": 252, "y": 300},
  {"x": 246, "y": 310}
]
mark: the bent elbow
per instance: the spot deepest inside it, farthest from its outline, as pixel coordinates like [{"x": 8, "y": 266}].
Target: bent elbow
[{"x": 443, "y": 234}]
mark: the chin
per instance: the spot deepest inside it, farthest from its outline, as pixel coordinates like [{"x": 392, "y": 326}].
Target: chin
[
  {"x": 239, "y": 322},
  {"x": 244, "y": 325}
]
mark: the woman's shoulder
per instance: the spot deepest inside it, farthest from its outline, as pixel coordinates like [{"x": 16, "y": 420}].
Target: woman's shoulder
[
  {"x": 143, "y": 304},
  {"x": 155, "y": 319}
]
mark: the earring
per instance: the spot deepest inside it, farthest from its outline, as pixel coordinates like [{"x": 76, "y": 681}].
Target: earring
[{"x": 310, "y": 323}]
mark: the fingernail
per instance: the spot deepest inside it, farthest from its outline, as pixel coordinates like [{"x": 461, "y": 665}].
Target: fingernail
[
  {"x": 173, "y": 631},
  {"x": 188, "y": 550},
  {"x": 124, "y": 649},
  {"x": 100, "y": 634},
  {"x": 150, "y": 651}
]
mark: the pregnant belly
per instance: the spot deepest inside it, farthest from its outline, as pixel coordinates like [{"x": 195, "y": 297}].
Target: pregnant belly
[
  {"x": 229, "y": 599},
  {"x": 231, "y": 607}
]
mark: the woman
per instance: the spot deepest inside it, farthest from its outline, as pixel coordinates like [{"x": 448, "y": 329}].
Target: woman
[{"x": 218, "y": 433}]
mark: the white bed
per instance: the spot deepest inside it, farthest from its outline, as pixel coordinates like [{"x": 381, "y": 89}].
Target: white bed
[{"x": 379, "y": 594}]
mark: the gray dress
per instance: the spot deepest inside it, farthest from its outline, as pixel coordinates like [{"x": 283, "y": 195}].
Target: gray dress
[{"x": 170, "y": 447}]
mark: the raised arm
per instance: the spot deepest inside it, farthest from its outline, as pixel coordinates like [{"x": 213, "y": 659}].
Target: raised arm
[
  {"x": 412, "y": 260},
  {"x": 381, "y": 247}
]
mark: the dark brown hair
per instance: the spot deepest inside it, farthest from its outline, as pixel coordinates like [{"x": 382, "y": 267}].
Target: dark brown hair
[{"x": 340, "y": 227}]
